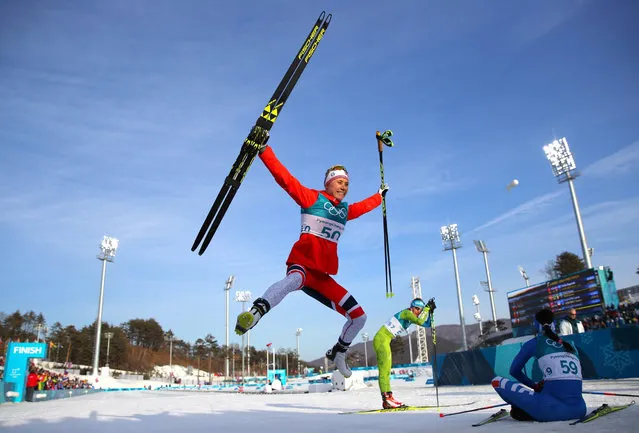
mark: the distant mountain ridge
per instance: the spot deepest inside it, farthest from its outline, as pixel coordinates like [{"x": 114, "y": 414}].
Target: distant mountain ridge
[{"x": 449, "y": 339}]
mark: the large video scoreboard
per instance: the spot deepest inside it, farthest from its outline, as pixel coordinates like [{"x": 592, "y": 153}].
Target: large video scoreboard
[{"x": 581, "y": 291}]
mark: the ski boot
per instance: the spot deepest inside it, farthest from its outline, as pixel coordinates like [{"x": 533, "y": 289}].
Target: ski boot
[
  {"x": 389, "y": 402},
  {"x": 519, "y": 415},
  {"x": 337, "y": 354},
  {"x": 249, "y": 319}
]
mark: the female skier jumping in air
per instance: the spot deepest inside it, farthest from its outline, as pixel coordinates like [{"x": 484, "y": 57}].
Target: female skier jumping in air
[
  {"x": 313, "y": 258},
  {"x": 558, "y": 396}
]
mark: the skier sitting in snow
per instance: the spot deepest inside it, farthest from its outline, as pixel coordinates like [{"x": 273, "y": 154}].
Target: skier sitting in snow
[
  {"x": 313, "y": 258},
  {"x": 418, "y": 313},
  {"x": 558, "y": 396}
]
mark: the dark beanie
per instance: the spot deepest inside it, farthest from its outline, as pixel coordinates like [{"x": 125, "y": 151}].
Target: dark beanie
[{"x": 545, "y": 316}]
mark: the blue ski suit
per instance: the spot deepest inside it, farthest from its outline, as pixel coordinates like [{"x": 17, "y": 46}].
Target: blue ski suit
[{"x": 560, "y": 398}]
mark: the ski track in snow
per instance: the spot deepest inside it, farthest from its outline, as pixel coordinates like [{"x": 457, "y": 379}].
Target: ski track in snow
[{"x": 193, "y": 411}]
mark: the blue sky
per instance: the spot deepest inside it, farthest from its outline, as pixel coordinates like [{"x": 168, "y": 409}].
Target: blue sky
[{"x": 123, "y": 118}]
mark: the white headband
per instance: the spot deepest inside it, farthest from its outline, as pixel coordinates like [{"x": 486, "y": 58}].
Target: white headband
[{"x": 333, "y": 175}]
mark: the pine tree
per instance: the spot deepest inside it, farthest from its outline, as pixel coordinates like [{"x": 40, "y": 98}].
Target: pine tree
[
  {"x": 549, "y": 270},
  {"x": 568, "y": 263}
]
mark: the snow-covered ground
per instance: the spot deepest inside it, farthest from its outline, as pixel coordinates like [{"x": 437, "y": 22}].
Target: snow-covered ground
[{"x": 190, "y": 411}]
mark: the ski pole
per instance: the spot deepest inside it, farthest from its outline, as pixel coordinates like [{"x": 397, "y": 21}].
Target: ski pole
[
  {"x": 433, "y": 335},
  {"x": 441, "y": 415},
  {"x": 610, "y": 393},
  {"x": 384, "y": 139}
]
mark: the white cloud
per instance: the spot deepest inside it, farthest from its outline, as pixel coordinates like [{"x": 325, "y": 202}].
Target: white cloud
[
  {"x": 529, "y": 207},
  {"x": 623, "y": 161},
  {"x": 536, "y": 20}
]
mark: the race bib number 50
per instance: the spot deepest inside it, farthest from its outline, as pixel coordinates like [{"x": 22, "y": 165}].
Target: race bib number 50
[{"x": 322, "y": 227}]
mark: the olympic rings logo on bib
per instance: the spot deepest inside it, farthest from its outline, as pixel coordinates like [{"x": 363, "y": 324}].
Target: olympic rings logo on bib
[
  {"x": 332, "y": 210},
  {"x": 554, "y": 343}
]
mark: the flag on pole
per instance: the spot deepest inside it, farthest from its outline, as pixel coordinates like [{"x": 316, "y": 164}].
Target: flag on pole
[{"x": 269, "y": 344}]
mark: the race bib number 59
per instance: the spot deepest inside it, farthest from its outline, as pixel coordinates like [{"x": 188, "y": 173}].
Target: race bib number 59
[{"x": 560, "y": 366}]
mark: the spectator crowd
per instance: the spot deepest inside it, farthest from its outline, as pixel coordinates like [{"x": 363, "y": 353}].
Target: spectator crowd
[
  {"x": 48, "y": 380},
  {"x": 612, "y": 317}
]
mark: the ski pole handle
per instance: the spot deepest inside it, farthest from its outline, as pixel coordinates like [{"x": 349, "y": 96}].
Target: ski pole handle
[
  {"x": 441, "y": 415},
  {"x": 383, "y": 138}
]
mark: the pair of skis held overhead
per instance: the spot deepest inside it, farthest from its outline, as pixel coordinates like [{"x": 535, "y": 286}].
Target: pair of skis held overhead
[{"x": 259, "y": 135}]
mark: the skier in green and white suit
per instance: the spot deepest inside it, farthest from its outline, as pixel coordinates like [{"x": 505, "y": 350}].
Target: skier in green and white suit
[{"x": 418, "y": 313}]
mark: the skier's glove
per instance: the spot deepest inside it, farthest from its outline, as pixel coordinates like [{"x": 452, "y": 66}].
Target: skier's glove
[
  {"x": 431, "y": 304},
  {"x": 538, "y": 386},
  {"x": 258, "y": 138},
  {"x": 383, "y": 190}
]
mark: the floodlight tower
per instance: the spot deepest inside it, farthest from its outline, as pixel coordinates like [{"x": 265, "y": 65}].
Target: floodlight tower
[
  {"x": 565, "y": 170},
  {"x": 477, "y": 314},
  {"x": 244, "y": 296},
  {"x": 524, "y": 275},
  {"x": 109, "y": 336},
  {"x": 365, "y": 340},
  {"x": 41, "y": 327},
  {"x": 268, "y": 346},
  {"x": 169, "y": 337},
  {"x": 451, "y": 241},
  {"x": 227, "y": 289},
  {"x": 422, "y": 346},
  {"x": 481, "y": 247},
  {"x": 298, "y": 332},
  {"x": 108, "y": 247}
]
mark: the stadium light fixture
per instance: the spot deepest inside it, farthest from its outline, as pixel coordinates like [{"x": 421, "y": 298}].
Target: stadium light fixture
[
  {"x": 227, "y": 289},
  {"x": 477, "y": 314},
  {"x": 298, "y": 333},
  {"x": 108, "y": 248},
  {"x": 524, "y": 275},
  {"x": 482, "y": 248},
  {"x": 565, "y": 170},
  {"x": 169, "y": 337},
  {"x": 365, "y": 340},
  {"x": 109, "y": 336},
  {"x": 452, "y": 241},
  {"x": 244, "y": 296}
]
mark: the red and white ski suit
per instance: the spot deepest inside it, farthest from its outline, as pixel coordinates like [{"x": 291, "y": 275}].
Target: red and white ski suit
[{"x": 314, "y": 257}]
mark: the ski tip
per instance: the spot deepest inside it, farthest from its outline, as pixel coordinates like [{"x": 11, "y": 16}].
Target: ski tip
[
  {"x": 441, "y": 415},
  {"x": 322, "y": 16},
  {"x": 328, "y": 19}
]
